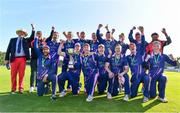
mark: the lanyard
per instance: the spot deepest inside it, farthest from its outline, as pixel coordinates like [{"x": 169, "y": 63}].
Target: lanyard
[
  {"x": 75, "y": 56},
  {"x": 116, "y": 60},
  {"x": 43, "y": 62},
  {"x": 133, "y": 59},
  {"x": 68, "y": 44},
  {"x": 108, "y": 44},
  {"x": 156, "y": 59},
  {"x": 85, "y": 60}
]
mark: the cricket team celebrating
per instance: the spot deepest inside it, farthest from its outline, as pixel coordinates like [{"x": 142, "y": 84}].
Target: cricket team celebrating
[{"x": 103, "y": 62}]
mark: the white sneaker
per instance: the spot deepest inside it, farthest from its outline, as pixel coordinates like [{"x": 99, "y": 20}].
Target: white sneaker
[
  {"x": 163, "y": 100},
  {"x": 31, "y": 89},
  {"x": 145, "y": 99},
  {"x": 121, "y": 89},
  {"x": 89, "y": 98},
  {"x": 13, "y": 92},
  {"x": 126, "y": 98},
  {"x": 62, "y": 94},
  {"x": 109, "y": 96}
]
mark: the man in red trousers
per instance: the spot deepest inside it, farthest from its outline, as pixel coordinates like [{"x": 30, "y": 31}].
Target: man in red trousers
[{"x": 16, "y": 55}]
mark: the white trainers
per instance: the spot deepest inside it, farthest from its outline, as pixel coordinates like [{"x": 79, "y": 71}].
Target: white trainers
[
  {"x": 31, "y": 89},
  {"x": 13, "y": 92},
  {"x": 89, "y": 98},
  {"x": 109, "y": 96},
  {"x": 163, "y": 100},
  {"x": 126, "y": 98},
  {"x": 62, "y": 94},
  {"x": 145, "y": 99}
]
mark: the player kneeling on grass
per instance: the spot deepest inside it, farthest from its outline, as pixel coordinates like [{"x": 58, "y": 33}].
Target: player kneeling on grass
[
  {"x": 90, "y": 71},
  {"x": 136, "y": 61},
  {"x": 156, "y": 62},
  {"x": 117, "y": 69},
  {"x": 45, "y": 70},
  {"x": 74, "y": 66}
]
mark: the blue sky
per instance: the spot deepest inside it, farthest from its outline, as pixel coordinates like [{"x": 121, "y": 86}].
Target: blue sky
[{"x": 78, "y": 15}]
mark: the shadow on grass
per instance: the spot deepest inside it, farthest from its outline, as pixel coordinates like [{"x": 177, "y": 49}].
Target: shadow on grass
[{"x": 31, "y": 102}]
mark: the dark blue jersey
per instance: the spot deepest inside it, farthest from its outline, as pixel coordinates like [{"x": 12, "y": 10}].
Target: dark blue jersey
[
  {"x": 54, "y": 50},
  {"x": 101, "y": 60},
  {"x": 117, "y": 64},
  {"x": 68, "y": 45},
  {"x": 44, "y": 65},
  {"x": 141, "y": 47},
  {"x": 124, "y": 46},
  {"x": 89, "y": 64},
  {"x": 109, "y": 44},
  {"x": 156, "y": 64},
  {"x": 135, "y": 63},
  {"x": 93, "y": 45}
]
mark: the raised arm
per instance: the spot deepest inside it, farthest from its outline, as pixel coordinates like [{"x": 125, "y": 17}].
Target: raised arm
[
  {"x": 130, "y": 37},
  {"x": 51, "y": 35},
  {"x": 64, "y": 33},
  {"x": 107, "y": 28},
  {"x": 168, "y": 39},
  {"x": 31, "y": 38},
  {"x": 141, "y": 29},
  {"x": 143, "y": 41},
  {"x": 78, "y": 35},
  {"x": 36, "y": 47},
  {"x": 112, "y": 37},
  {"x": 113, "y": 31},
  {"x": 98, "y": 34}
]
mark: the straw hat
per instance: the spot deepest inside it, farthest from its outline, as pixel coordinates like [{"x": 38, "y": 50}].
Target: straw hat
[{"x": 21, "y": 30}]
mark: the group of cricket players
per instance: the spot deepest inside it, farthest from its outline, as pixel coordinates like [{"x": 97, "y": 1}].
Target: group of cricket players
[{"x": 104, "y": 64}]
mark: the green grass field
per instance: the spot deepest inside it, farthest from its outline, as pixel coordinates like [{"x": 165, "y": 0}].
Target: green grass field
[{"x": 31, "y": 102}]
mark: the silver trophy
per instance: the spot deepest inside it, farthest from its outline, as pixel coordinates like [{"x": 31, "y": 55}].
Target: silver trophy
[{"x": 71, "y": 60}]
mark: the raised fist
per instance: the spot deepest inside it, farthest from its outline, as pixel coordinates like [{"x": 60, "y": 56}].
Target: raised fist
[
  {"x": 100, "y": 25},
  {"x": 113, "y": 30},
  {"x": 163, "y": 31},
  {"x": 77, "y": 33},
  {"x": 53, "y": 28},
  {"x": 64, "y": 33},
  {"x": 106, "y": 26},
  {"x": 134, "y": 28},
  {"x": 141, "y": 29},
  {"x": 32, "y": 25}
]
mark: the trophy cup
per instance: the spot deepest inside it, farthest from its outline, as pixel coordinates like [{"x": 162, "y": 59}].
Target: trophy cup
[{"x": 71, "y": 60}]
